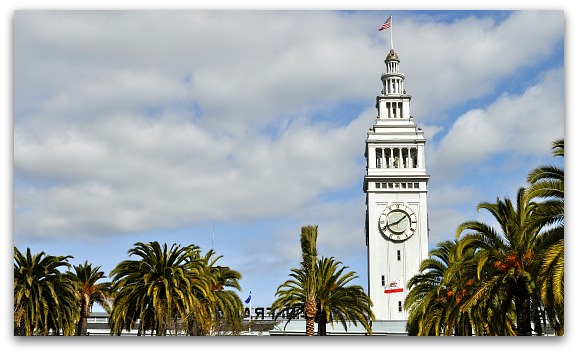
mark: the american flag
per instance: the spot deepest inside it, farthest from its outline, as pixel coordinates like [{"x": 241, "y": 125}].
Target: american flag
[{"x": 386, "y": 24}]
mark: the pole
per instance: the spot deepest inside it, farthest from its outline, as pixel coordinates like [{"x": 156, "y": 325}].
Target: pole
[
  {"x": 250, "y": 309},
  {"x": 391, "y": 31}
]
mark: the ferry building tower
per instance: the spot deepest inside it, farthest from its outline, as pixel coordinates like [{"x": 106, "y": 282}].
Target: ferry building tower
[{"x": 396, "y": 220}]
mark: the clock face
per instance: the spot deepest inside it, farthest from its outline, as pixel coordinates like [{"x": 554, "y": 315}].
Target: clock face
[{"x": 398, "y": 222}]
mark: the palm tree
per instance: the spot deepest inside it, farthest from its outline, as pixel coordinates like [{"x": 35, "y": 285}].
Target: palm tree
[
  {"x": 44, "y": 297},
  {"x": 489, "y": 316},
  {"x": 428, "y": 299},
  {"x": 505, "y": 261},
  {"x": 89, "y": 293},
  {"x": 547, "y": 188},
  {"x": 437, "y": 291},
  {"x": 552, "y": 285},
  {"x": 160, "y": 291},
  {"x": 491, "y": 280},
  {"x": 336, "y": 301},
  {"x": 227, "y": 308}
]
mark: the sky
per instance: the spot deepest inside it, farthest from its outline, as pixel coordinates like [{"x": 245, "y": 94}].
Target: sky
[{"x": 231, "y": 129}]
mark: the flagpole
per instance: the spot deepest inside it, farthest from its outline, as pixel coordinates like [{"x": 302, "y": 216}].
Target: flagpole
[
  {"x": 250, "y": 309},
  {"x": 391, "y": 31}
]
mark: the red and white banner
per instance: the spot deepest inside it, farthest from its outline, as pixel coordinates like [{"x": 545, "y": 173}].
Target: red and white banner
[{"x": 395, "y": 286}]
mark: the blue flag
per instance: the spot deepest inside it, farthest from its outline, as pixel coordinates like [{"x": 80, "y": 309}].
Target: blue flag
[{"x": 249, "y": 298}]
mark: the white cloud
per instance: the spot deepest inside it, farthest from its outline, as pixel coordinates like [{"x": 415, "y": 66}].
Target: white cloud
[
  {"x": 488, "y": 151},
  {"x": 453, "y": 63},
  {"x": 521, "y": 124},
  {"x": 130, "y": 174},
  {"x": 287, "y": 61},
  {"x": 450, "y": 205},
  {"x": 131, "y": 121}
]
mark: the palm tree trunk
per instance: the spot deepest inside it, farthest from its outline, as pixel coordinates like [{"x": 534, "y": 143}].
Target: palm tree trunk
[
  {"x": 81, "y": 326},
  {"x": 309, "y": 264},
  {"x": 321, "y": 324},
  {"x": 310, "y": 311},
  {"x": 523, "y": 316},
  {"x": 523, "y": 308}
]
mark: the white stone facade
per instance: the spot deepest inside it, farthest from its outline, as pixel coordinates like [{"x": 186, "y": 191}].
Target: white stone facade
[{"x": 396, "y": 189}]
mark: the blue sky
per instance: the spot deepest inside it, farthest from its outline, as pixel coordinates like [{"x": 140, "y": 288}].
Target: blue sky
[{"x": 164, "y": 126}]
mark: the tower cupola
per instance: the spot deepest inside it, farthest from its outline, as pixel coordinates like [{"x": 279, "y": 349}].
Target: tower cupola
[{"x": 392, "y": 78}]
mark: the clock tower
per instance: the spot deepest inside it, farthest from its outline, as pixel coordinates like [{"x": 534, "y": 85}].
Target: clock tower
[{"x": 396, "y": 220}]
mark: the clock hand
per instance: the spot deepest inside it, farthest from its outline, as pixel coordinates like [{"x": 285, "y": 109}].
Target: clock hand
[{"x": 398, "y": 221}]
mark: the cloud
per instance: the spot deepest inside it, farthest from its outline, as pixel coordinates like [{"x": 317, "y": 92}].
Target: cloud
[
  {"x": 452, "y": 63},
  {"x": 488, "y": 152},
  {"x": 130, "y": 174},
  {"x": 288, "y": 61},
  {"x": 521, "y": 124},
  {"x": 448, "y": 206},
  {"x": 130, "y": 121}
]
